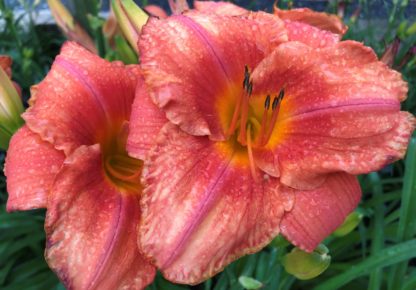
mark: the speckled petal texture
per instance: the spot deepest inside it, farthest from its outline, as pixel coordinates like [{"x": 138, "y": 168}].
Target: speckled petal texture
[
  {"x": 91, "y": 228},
  {"x": 189, "y": 62},
  {"x": 80, "y": 98},
  {"x": 310, "y": 35},
  {"x": 317, "y": 213},
  {"x": 341, "y": 111},
  {"x": 145, "y": 123},
  {"x": 201, "y": 210},
  {"x": 31, "y": 166}
]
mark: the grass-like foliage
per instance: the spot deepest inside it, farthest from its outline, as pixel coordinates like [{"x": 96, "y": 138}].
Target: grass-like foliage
[{"x": 379, "y": 254}]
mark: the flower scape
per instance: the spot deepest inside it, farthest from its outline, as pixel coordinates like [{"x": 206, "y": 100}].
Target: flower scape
[{"x": 235, "y": 127}]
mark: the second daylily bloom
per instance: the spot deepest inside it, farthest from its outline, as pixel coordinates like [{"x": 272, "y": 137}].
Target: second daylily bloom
[
  {"x": 70, "y": 158},
  {"x": 268, "y": 122}
]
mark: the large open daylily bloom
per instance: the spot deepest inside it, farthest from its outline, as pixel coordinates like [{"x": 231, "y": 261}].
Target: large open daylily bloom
[
  {"x": 269, "y": 121},
  {"x": 70, "y": 157}
]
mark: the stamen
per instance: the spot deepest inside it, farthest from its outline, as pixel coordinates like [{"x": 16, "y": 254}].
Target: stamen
[
  {"x": 246, "y": 77},
  {"x": 236, "y": 113},
  {"x": 244, "y": 115},
  {"x": 275, "y": 107},
  {"x": 264, "y": 119},
  {"x": 250, "y": 88},
  {"x": 250, "y": 155},
  {"x": 267, "y": 103},
  {"x": 127, "y": 171}
]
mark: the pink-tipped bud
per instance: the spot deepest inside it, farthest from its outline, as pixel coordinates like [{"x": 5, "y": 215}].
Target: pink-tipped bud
[
  {"x": 72, "y": 30},
  {"x": 390, "y": 52}
]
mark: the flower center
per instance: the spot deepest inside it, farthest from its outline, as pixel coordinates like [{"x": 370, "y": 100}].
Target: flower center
[
  {"x": 122, "y": 170},
  {"x": 252, "y": 130},
  {"x": 253, "y": 122}
]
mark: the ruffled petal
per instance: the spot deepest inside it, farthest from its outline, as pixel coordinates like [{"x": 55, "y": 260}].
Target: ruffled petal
[
  {"x": 201, "y": 208},
  {"x": 81, "y": 98},
  {"x": 194, "y": 61},
  {"x": 320, "y": 20},
  {"x": 340, "y": 111},
  {"x": 156, "y": 11},
  {"x": 31, "y": 166},
  {"x": 221, "y": 8},
  {"x": 310, "y": 35},
  {"x": 91, "y": 228},
  {"x": 317, "y": 213},
  {"x": 145, "y": 123}
]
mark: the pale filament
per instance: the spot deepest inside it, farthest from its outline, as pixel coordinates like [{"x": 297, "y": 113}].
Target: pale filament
[{"x": 250, "y": 155}]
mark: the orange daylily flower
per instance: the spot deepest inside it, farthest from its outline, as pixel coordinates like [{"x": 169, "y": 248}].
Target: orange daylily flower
[
  {"x": 269, "y": 121},
  {"x": 70, "y": 158}
]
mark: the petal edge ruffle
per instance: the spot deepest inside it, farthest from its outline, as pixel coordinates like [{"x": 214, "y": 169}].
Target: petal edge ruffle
[
  {"x": 31, "y": 166},
  {"x": 317, "y": 213}
]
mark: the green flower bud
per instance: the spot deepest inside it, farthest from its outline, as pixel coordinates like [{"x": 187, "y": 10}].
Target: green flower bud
[
  {"x": 11, "y": 108},
  {"x": 249, "y": 283},
  {"x": 131, "y": 20},
  {"x": 350, "y": 223},
  {"x": 305, "y": 265}
]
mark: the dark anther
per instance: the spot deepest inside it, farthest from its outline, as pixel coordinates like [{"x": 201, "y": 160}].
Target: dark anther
[
  {"x": 276, "y": 101},
  {"x": 246, "y": 81},
  {"x": 250, "y": 88},
  {"x": 246, "y": 72},
  {"x": 281, "y": 94},
  {"x": 267, "y": 102}
]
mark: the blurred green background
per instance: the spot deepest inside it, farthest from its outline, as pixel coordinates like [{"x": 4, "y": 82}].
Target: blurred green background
[{"x": 379, "y": 253}]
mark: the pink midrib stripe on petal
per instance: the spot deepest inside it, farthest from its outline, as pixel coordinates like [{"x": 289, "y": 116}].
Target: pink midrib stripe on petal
[
  {"x": 349, "y": 106},
  {"x": 203, "y": 208},
  {"x": 110, "y": 243},
  {"x": 209, "y": 43},
  {"x": 87, "y": 83}
]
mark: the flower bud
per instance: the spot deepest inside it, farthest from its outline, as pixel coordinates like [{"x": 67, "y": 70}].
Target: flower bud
[
  {"x": 10, "y": 109},
  {"x": 249, "y": 283},
  {"x": 71, "y": 29},
  {"x": 305, "y": 265},
  {"x": 391, "y": 52},
  {"x": 131, "y": 20},
  {"x": 350, "y": 223}
]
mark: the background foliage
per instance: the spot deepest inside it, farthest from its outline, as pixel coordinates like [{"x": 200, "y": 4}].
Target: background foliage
[{"x": 379, "y": 254}]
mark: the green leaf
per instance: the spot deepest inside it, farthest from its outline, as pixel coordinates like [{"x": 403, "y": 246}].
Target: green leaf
[
  {"x": 407, "y": 220},
  {"x": 386, "y": 257}
]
